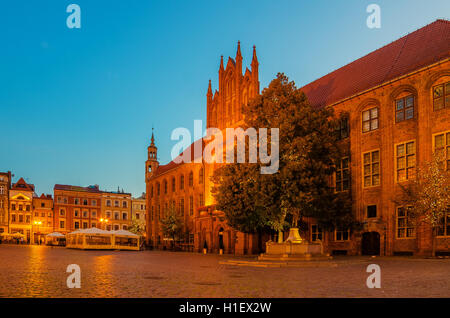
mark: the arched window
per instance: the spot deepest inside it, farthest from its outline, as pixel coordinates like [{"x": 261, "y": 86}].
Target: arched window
[
  {"x": 165, "y": 186},
  {"x": 191, "y": 179},
  {"x": 173, "y": 184},
  {"x": 158, "y": 189},
  {"x": 182, "y": 182},
  {"x": 200, "y": 176}
]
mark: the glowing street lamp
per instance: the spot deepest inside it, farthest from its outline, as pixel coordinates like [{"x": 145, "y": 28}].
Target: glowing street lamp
[{"x": 104, "y": 221}]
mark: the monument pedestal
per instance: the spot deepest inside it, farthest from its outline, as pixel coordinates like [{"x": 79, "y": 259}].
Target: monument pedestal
[{"x": 294, "y": 248}]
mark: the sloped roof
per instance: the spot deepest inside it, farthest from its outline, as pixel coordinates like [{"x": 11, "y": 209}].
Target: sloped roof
[
  {"x": 22, "y": 185},
  {"x": 65, "y": 187},
  {"x": 418, "y": 49},
  {"x": 173, "y": 164}
]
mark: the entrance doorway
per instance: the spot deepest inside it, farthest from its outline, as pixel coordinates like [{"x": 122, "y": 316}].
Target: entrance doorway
[{"x": 370, "y": 243}]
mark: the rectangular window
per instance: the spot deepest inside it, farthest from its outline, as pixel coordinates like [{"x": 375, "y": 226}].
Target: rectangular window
[
  {"x": 343, "y": 175},
  {"x": 13, "y": 218},
  {"x": 442, "y": 148},
  {"x": 124, "y": 216},
  {"x": 62, "y": 212},
  {"x": 85, "y": 214},
  {"x": 371, "y": 168},
  {"x": 370, "y": 119},
  {"x": 404, "y": 108},
  {"x": 405, "y": 161},
  {"x": 85, "y": 225},
  {"x": 371, "y": 211},
  {"x": 444, "y": 225},
  {"x": 61, "y": 224},
  {"x": 108, "y": 202},
  {"x": 77, "y": 225},
  {"x": 20, "y": 218},
  {"x": 441, "y": 96},
  {"x": 191, "y": 205},
  {"x": 405, "y": 227},
  {"x": 316, "y": 233},
  {"x": 182, "y": 206},
  {"x": 201, "y": 199},
  {"x": 116, "y": 215},
  {"x": 342, "y": 234},
  {"x": 342, "y": 128}
]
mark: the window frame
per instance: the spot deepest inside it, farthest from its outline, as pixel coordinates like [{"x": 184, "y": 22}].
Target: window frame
[
  {"x": 370, "y": 120},
  {"x": 444, "y": 95},
  {"x": 404, "y": 108},
  {"x": 370, "y": 152},
  {"x": 406, "y": 227},
  {"x": 405, "y": 156},
  {"x": 445, "y": 148},
  {"x": 314, "y": 234}
]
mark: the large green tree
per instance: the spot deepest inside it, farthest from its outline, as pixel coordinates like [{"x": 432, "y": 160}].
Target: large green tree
[{"x": 308, "y": 150}]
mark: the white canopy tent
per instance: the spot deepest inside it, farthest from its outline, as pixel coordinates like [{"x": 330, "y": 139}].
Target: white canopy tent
[{"x": 94, "y": 238}]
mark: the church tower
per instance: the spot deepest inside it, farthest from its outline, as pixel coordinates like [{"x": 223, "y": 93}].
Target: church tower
[
  {"x": 152, "y": 161},
  {"x": 236, "y": 89}
]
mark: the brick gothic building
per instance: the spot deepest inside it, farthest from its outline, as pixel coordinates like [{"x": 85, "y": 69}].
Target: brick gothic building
[{"x": 396, "y": 102}]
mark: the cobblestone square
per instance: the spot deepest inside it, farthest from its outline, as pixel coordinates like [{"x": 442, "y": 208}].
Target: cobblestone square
[{"x": 40, "y": 271}]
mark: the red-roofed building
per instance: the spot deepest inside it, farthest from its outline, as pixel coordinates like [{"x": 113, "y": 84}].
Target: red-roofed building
[{"x": 395, "y": 104}]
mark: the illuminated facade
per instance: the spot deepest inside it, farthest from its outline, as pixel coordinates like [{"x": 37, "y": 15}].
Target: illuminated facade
[
  {"x": 396, "y": 102},
  {"x": 21, "y": 205}
]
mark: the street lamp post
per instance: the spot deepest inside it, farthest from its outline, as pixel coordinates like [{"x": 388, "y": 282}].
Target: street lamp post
[{"x": 104, "y": 221}]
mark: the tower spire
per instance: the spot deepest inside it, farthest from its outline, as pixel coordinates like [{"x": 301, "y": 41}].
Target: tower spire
[
  {"x": 255, "y": 58},
  {"x": 238, "y": 53},
  {"x": 153, "y": 139},
  {"x": 221, "y": 62},
  {"x": 209, "y": 88}
]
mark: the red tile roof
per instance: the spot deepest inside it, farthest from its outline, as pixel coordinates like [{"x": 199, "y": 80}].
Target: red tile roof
[
  {"x": 418, "y": 49},
  {"x": 171, "y": 165},
  {"x": 22, "y": 185},
  {"x": 64, "y": 187}
]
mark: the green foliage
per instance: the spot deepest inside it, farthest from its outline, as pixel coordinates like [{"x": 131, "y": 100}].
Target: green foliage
[
  {"x": 137, "y": 226},
  {"x": 172, "y": 225},
  {"x": 308, "y": 149}
]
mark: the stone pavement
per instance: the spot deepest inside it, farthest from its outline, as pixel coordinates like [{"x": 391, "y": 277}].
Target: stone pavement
[{"x": 40, "y": 271}]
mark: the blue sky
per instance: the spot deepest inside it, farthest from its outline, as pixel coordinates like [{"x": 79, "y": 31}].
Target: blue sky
[{"x": 77, "y": 105}]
